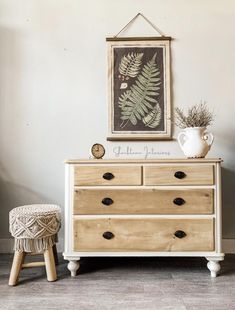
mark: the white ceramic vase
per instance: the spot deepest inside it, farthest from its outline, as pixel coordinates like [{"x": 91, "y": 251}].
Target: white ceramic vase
[{"x": 195, "y": 142}]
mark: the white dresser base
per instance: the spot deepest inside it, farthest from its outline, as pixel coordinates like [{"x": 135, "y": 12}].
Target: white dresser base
[
  {"x": 213, "y": 261},
  {"x": 214, "y": 257}
]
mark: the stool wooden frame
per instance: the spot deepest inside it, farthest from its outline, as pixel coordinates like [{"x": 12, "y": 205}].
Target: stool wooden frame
[{"x": 50, "y": 260}]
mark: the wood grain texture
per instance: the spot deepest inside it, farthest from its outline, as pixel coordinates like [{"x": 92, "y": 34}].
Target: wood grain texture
[
  {"x": 164, "y": 175},
  {"x": 141, "y": 235},
  {"x": 50, "y": 264},
  {"x": 143, "y": 201},
  {"x": 161, "y": 38},
  {"x": 144, "y": 161},
  {"x": 144, "y": 226},
  {"x": 93, "y": 175},
  {"x": 140, "y": 137},
  {"x": 33, "y": 264},
  {"x": 16, "y": 267}
]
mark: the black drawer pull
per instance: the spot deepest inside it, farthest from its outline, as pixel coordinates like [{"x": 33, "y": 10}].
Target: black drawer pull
[
  {"x": 108, "y": 176},
  {"x": 180, "y": 175},
  {"x": 108, "y": 235},
  {"x": 107, "y": 201},
  {"x": 180, "y": 234},
  {"x": 179, "y": 201}
]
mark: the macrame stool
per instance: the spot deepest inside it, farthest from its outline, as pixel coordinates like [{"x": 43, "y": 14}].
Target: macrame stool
[{"x": 35, "y": 229}]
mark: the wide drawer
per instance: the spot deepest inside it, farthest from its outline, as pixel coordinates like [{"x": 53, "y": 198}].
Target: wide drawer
[
  {"x": 179, "y": 175},
  {"x": 107, "y": 175},
  {"x": 118, "y": 234},
  {"x": 143, "y": 201}
]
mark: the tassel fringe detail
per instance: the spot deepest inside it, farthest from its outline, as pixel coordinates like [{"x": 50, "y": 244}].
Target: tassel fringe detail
[{"x": 35, "y": 245}]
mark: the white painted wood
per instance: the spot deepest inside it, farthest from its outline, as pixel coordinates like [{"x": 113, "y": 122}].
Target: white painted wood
[
  {"x": 214, "y": 268},
  {"x": 218, "y": 208},
  {"x": 213, "y": 265},
  {"x": 214, "y": 256},
  {"x": 75, "y": 255},
  {"x": 181, "y": 187},
  {"x": 69, "y": 185},
  {"x": 144, "y": 161},
  {"x": 67, "y": 208},
  {"x": 73, "y": 266}
]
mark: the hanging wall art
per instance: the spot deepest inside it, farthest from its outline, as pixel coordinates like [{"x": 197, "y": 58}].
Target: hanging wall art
[{"x": 139, "y": 88}]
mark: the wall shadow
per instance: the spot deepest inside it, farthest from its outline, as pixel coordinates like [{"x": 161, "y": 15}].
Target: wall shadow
[
  {"x": 11, "y": 196},
  {"x": 228, "y": 198}
]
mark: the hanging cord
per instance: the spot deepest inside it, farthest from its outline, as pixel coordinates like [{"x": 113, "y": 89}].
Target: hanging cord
[{"x": 147, "y": 20}]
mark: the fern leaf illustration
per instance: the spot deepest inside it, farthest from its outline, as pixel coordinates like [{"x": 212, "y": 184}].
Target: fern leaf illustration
[
  {"x": 153, "y": 118},
  {"x": 130, "y": 64},
  {"x": 142, "y": 94},
  {"x": 123, "y": 99}
]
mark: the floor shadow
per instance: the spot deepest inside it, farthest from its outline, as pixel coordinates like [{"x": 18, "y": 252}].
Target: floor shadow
[{"x": 90, "y": 265}]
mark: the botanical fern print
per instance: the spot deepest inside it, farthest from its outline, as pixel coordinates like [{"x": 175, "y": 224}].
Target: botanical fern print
[
  {"x": 124, "y": 98},
  {"x": 138, "y": 102},
  {"x": 130, "y": 64},
  {"x": 153, "y": 118}
]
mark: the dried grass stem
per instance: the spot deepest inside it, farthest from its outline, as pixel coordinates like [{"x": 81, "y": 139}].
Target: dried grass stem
[{"x": 197, "y": 116}]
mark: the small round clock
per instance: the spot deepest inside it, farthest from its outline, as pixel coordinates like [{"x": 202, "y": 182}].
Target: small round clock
[{"x": 97, "y": 150}]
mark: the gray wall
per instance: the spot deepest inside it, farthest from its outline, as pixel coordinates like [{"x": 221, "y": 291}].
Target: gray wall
[{"x": 53, "y": 87}]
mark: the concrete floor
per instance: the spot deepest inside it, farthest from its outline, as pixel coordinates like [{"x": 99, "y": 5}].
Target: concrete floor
[{"x": 122, "y": 283}]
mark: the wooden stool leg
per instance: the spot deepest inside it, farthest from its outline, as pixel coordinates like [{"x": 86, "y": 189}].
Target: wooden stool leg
[
  {"x": 55, "y": 254},
  {"x": 50, "y": 264},
  {"x": 16, "y": 267}
]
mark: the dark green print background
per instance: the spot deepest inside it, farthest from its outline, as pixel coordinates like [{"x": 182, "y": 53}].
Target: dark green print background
[{"x": 118, "y": 80}]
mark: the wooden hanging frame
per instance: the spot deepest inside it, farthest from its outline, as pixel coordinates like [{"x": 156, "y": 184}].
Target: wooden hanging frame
[{"x": 151, "y": 115}]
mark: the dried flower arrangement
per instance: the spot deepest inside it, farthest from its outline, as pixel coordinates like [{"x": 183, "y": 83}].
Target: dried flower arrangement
[{"x": 198, "y": 115}]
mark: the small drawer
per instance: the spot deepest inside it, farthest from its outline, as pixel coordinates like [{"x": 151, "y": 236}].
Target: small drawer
[
  {"x": 118, "y": 234},
  {"x": 143, "y": 201},
  {"x": 107, "y": 175},
  {"x": 179, "y": 175}
]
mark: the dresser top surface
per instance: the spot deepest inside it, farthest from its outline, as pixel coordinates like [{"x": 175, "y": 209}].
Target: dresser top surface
[{"x": 143, "y": 161}]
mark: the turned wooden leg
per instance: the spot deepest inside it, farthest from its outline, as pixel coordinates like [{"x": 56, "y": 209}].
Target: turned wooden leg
[
  {"x": 214, "y": 268},
  {"x": 55, "y": 254},
  {"x": 50, "y": 264},
  {"x": 73, "y": 266},
  {"x": 213, "y": 265},
  {"x": 16, "y": 267}
]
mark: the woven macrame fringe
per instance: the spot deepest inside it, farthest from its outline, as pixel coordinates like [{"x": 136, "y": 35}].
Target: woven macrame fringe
[{"x": 35, "y": 245}]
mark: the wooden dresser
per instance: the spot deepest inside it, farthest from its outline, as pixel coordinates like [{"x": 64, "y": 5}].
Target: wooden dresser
[{"x": 167, "y": 207}]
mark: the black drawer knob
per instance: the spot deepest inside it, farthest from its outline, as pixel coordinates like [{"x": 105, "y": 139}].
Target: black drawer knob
[
  {"x": 107, "y": 201},
  {"x": 108, "y": 235},
  {"x": 179, "y": 201},
  {"x": 180, "y": 175},
  {"x": 108, "y": 176},
  {"x": 180, "y": 234}
]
